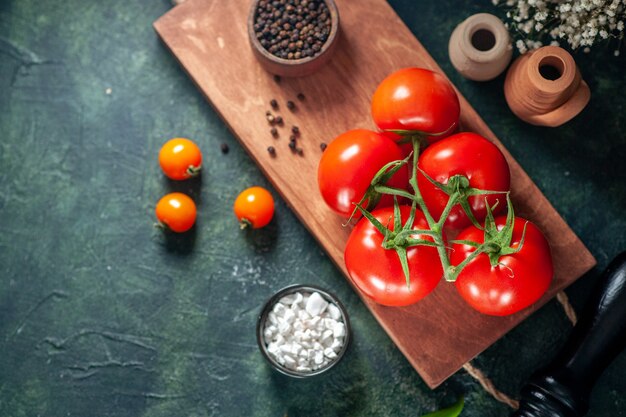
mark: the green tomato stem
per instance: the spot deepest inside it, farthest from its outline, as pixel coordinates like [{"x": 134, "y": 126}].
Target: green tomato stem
[{"x": 432, "y": 224}]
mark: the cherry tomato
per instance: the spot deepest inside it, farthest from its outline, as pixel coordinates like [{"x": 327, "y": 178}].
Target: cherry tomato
[
  {"x": 254, "y": 207},
  {"x": 349, "y": 164},
  {"x": 416, "y": 99},
  {"x": 518, "y": 280},
  {"x": 180, "y": 159},
  {"x": 177, "y": 212},
  {"x": 474, "y": 157},
  {"x": 377, "y": 272}
]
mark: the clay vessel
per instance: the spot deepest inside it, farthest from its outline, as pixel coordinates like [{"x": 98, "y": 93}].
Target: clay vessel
[
  {"x": 480, "y": 47},
  {"x": 544, "y": 87}
]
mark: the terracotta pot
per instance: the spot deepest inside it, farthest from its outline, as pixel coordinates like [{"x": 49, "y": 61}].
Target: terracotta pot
[
  {"x": 544, "y": 87},
  {"x": 480, "y": 47}
]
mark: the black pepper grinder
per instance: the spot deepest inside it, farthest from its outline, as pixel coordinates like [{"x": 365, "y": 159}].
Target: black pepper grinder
[{"x": 563, "y": 388}]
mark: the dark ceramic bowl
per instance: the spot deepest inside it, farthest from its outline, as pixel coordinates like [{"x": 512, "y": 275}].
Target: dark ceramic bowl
[
  {"x": 295, "y": 67},
  {"x": 269, "y": 305}
]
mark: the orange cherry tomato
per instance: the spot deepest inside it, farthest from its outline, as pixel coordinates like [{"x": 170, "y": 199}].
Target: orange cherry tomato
[
  {"x": 254, "y": 207},
  {"x": 177, "y": 212},
  {"x": 180, "y": 159}
]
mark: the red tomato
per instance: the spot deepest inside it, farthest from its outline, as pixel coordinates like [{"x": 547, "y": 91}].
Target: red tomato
[
  {"x": 349, "y": 164},
  {"x": 377, "y": 272},
  {"x": 518, "y": 280},
  {"x": 474, "y": 157},
  {"x": 416, "y": 99}
]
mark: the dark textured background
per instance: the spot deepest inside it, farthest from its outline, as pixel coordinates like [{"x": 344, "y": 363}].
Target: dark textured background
[{"x": 101, "y": 316}]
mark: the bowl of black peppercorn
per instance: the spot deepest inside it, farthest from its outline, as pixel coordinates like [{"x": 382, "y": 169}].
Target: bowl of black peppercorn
[{"x": 293, "y": 38}]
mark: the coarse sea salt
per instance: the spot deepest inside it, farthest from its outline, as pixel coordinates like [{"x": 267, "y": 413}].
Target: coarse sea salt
[{"x": 304, "y": 332}]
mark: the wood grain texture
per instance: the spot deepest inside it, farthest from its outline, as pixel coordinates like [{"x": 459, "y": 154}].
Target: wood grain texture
[{"x": 209, "y": 38}]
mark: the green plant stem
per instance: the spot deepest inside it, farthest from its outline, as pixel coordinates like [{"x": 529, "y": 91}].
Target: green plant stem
[
  {"x": 399, "y": 240},
  {"x": 452, "y": 201},
  {"x": 432, "y": 224}
]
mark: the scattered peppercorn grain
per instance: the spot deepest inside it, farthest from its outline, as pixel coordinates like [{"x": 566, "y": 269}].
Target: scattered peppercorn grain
[
  {"x": 274, "y": 132},
  {"x": 291, "y": 105},
  {"x": 270, "y": 118},
  {"x": 224, "y": 148},
  {"x": 274, "y": 104},
  {"x": 300, "y": 151},
  {"x": 278, "y": 120},
  {"x": 271, "y": 150},
  {"x": 301, "y": 97},
  {"x": 292, "y": 145},
  {"x": 295, "y": 130},
  {"x": 292, "y": 138},
  {"x": 277, "y": 79},
  {"x": 323, "y": 146}
]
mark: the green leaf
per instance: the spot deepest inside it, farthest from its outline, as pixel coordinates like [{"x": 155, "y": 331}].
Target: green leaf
[
  {"x": 405, "y": 265},
  {"x": 453, "y": 411},
  {"x": 466, "y": 242},
  {"x": 397, "y": 216},
  {"x": 443, "y": 187},
  {"x": 468, "y": 212},
  {"x": 419, "y": 242},
  {"x": 409, "y": 222},
  {"x": 383, "y": 189},
  {"x": 378, "y": 225},
  {"x": 490, "y": 225}
]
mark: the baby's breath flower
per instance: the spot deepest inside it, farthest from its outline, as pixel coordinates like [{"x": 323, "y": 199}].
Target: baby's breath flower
[{"x": 579, "y": 23}]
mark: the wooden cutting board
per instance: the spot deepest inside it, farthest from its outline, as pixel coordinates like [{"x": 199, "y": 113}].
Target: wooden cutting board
[{"x": 440, "y": 333}]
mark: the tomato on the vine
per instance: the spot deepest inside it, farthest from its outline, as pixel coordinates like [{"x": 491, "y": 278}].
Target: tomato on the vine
[
  {"x": 177, "y": 212},
  {"x": 349, "y": 164},
  {"x": 254, "y": 207},
  {"x": 515, "y": 282},
  {"x": 377, "y": 271},
  {"x": 180, "y": 159},
  {"x": 416, "y": 100},
  {"x": 469, "y": 155}
]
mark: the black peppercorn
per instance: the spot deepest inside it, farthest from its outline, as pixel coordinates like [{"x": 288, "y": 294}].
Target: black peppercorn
[
  {"x": 295, "y": 130},
  {"x": 224, "y": 148},
  {"x": 300, "y": 151},
  {"x": 274, "y": 104},
  {"x": 291, "y": 105},
  {"x": 278, "y": 120},
  {"x": 292, "y": 29},
  {"x": 323, "y": 146},
  {"x": 301, "y": 97},
  {"x": 292, "y": 145},
  {"x": 271, "y": 150},
  {"x": 274, "y": 132}
]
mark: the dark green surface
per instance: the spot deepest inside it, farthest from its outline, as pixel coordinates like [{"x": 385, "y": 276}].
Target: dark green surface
[{"x": 101, "y": 316}]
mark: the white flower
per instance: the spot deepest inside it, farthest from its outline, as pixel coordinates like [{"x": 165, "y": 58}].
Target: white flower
[{"x": 580, "y": 23}]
